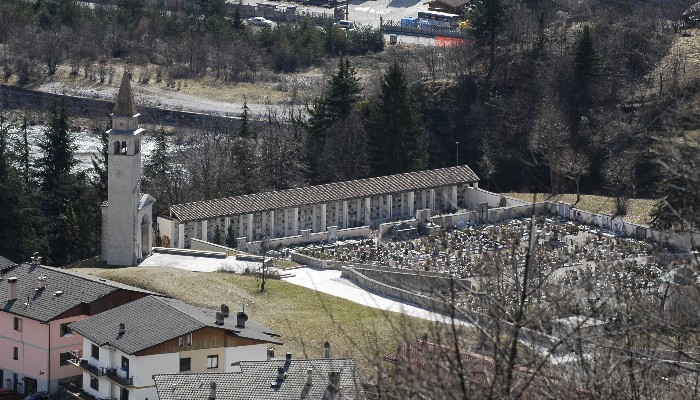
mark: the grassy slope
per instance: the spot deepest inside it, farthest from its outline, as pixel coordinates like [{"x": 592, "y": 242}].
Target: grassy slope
[
  {"x": 304, "y": 318},
  {"x": 637, "y": 211}
]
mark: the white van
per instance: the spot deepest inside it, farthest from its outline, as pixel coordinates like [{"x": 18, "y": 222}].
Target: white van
[{"x": 343, "y": 23}]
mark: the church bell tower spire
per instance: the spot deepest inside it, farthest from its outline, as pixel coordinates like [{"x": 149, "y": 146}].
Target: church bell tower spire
[{"x": 127, "y": 236}]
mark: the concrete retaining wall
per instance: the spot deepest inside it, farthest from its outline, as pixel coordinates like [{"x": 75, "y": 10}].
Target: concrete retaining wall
[
  {"x": 196, "y": 244},
  {"x": 314, "y": 262}
]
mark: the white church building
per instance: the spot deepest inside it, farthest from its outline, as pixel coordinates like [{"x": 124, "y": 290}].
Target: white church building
[{"x": 127, "y": 233}]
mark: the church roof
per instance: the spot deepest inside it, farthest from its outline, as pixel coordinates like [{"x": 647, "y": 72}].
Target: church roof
[
  {"x": 124, "y": 106},
  {"x": 324, "y": 193}
]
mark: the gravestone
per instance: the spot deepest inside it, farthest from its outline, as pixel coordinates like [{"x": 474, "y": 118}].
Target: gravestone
[
  {"x": 606, "y": 222},
  {"x": 619, "y": 225},
  {"x": 332, "y": 233},
  {"x": 241, "y": 242},
  {"x": 564, "y": 210},
  {"x": 508, "y": 214},
  {"x": 483, "y": 210},
  {"x": 306, "y": 235},
  {"x": 641, "y": 232},
  {"x": 460, "y": 222}
]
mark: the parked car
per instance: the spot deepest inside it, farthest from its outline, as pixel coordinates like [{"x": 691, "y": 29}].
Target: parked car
[
  {"x": 7, "y": 394},
  {"x": 344, "y": 23},
  {"x": 261, "y": 21}
]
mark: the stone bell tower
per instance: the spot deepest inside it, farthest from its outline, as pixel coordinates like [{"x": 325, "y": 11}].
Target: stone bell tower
[{"x": 127, "y": 234}]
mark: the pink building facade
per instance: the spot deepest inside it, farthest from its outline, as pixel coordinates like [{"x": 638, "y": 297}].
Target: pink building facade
[{"x": 37, "y": 304}]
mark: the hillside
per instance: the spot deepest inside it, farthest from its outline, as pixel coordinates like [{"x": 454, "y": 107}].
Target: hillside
[{"x": 304, "y": 318}]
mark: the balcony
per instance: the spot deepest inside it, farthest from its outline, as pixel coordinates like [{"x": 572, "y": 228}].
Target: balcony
[
  {"x": 123, "y": 381},
  {"x": 85, "y": 365}
]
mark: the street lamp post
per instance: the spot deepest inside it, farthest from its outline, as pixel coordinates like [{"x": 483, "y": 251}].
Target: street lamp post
[{"x": 457, "y": 143}]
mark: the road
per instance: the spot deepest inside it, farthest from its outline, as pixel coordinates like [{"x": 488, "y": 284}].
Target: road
[{"x": 330, "y": 282}]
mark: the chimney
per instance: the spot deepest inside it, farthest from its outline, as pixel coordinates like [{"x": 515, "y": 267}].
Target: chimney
[
  {"x": 41, "y": 284},
  {"x": 36, "y": 259},
  {"x": 288, "y": 358},
  {"x": 270, "y": 353},
  {"x": 280, "y": 373},
  {"x": 309, "y": 376},
  {"x": 326, "y": 350},
  {"x": 122, "y": 329},
  {"x": 241, "y": 318},
  {"x": 212, "y": 390},
  {"x": 219, "y": 318},
  {"x": 12, "y": 292},
  {"x": 333, "y": 384},
  {"x": 224, "y": 310}
]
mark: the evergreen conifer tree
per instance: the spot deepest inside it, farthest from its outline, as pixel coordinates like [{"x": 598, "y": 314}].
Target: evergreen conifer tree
[
  {"x": 586, "y": 68},
  {"x": 334, "y": 106},
  {"x": 489, "y": 20},
  {"x": 20, "y": 217},
  {"x": 230, "y": 237},
  {"x": 99, "y": 166},
  {"x": 394, "y": 128}
]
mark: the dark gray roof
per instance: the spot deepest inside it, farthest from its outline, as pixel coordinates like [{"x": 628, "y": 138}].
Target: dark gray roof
[
  {"x": 154, "y": 320},
  {"x": 5, "y": 263},
  {"x": 453, "y": 3},
  {"x": 257, "y": 380},
  {"x": 124, "y": 105},
  {"x": 45, "y": 305},
  {"x": 323, "y": 193}
]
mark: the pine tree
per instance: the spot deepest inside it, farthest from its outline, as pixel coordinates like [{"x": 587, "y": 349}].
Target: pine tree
[
  {"x": 230, "y": 237},
  {"x": 333, "y": 107},
  {"x": 99, "y": 166},
  {"x": 58, "y": 149},
  {"x": 217, "y": 234},
  {"x": 60, "y": 188},
  {"x": 394, "y": 128},
  {"x": 489, "y": 20},
  {"x": 156, "y": 173},
  {"x": 244, "y": 129},
  {"x": 586, "y": 69}
]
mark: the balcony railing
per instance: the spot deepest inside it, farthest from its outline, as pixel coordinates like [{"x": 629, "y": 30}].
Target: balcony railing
[
  {"x": 123, "y": 381},
  {"x": 85, "y": 365}
]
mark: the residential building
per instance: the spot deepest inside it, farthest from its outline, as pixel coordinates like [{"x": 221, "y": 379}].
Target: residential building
[
  {"x": 37, "y": 305},
  {"x": 318, "y": 379},
  {"x": 124, "y": 347},
  {"x": 363, "y": 202}
]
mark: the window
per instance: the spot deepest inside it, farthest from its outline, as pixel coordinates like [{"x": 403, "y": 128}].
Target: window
[
  {"x": 186, "y": 340},
  {"x": 117, "y": 146},
  {"x": 124, "y": 394},
  {"x": 65, "y": 330},
  {"x": 94, "y": 383},
  {"x": 64, "y": 357},
  {"x": 18, "y": 324},
  {"x": 15, "y": 353},
  {"x": 213, "y": 361},
  {"x": 95, "y": 352},
  {"x": 185, "y": 364}
]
